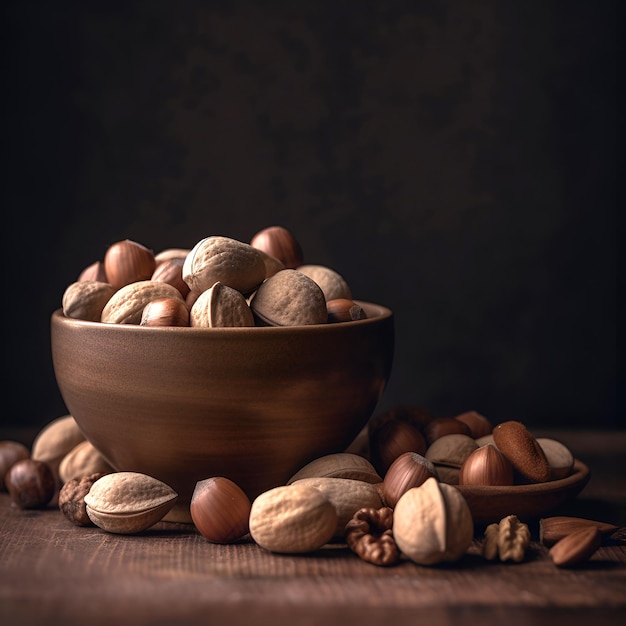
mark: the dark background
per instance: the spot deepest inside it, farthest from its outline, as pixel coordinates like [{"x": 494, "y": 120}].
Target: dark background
[{"x": 454, "y": 161}]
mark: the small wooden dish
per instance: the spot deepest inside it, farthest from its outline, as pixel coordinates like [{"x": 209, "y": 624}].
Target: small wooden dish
[{"x": 491, "y": 504}]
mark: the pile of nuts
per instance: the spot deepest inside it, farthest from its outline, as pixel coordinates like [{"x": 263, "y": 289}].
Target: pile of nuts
[
  {"x": 220, "y": 282},
  {"x": 398, "y": 501}
]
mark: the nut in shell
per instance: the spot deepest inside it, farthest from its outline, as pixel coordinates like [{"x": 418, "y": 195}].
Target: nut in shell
[
  {"x": 433, "y": 523},
  {"x": 332, "y": 284},
  {"x": 128, "y": 502},
  {"x": 339, "y": 465},
  {"x": 289, "y": 298},
  {"x": 221, "y": 306},
  {"x": 83, "y": 460},
  {"x": 84, "y": 300}
]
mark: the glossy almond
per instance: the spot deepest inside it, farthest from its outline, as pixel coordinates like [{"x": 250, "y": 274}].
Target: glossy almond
[{"x": 553, "y": 529}]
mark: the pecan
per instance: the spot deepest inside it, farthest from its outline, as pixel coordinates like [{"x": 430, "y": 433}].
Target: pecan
[
  {"x": 507, "y": 540},
  {"x": 369, "y": 535},
  {"x": 72, "y": 499}
]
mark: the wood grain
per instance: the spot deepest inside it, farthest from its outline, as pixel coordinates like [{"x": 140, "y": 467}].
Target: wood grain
[{"x": 53, "y": 572}]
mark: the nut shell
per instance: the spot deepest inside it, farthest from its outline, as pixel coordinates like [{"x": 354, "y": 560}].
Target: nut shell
[
  {"x": 278, "y": 242},
  {"x": 221, "y": 306},
  {"x": 127, "y": 262},
  {"x": 407, "y": 471},
  {"x": 128, "y": 502},
  {"x": 332, "y": 284}
]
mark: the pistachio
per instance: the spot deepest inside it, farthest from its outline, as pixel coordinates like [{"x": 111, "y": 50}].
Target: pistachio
[{"x": 128, "y": 502}]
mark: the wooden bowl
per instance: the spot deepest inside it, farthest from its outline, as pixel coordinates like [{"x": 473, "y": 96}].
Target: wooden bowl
[
  {"x": 528, "y": 502},
  {"x": 252, "y": 404}
]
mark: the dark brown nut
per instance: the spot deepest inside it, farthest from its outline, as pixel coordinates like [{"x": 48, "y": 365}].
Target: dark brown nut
[
  {"x": 171, "y": 271},
  {"x": 576, "y": 548},
  {"x": 72, "y": 499},
  {"x": 553, "y": 529},
  {"x": 408, "y": 470},
  {"x": 220, "y": 510},
  {"x": 390, "y": 440},
  {"x": 344, "y": 310},
  {"x": 486, "y": 466},
  {"x": 31, "y": 484},
  {"x": 369, "y": 534},
  {"x": 10, "y": 453},
  {"x": 478, "y": 424},
  {"x": 522, "y": 449},
  {"x": 279, "y": 243},
  {"x": 441, "y": 426}
]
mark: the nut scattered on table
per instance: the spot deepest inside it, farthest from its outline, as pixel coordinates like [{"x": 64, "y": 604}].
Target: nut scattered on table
[
  {"x": 555, "y": 528},
  {"x": 10, "y": 453},
  {"x": 507, "y": 540},
  {"x": 72, "y": 499},
  {"x": 128, "y": 502},
  {"x": 576, "y": 548},
  {"x": 30, "y": 483},
  {"x": 407, "y": 471},
  {"x": 369, "y": 534}
]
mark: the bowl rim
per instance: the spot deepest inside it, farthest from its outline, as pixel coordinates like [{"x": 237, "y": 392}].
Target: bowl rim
[
  {"x": 383, "y": 313},
  {"x": 579, "y": 475}
]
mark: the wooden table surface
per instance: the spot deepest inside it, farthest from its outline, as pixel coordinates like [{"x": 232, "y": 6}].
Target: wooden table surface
[{"x": 52, "y": 572}]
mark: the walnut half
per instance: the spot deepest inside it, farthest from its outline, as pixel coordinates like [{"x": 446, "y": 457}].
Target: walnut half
[
  {"x": 369, "y": 535},
  {"x": 507, "y": 540}
]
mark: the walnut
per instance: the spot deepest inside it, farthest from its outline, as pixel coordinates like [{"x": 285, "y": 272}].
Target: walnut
[
  {"x": 72, "y": 499},
  {"x": 507, "y": 540},
  {"x": 369, "y": 535}
]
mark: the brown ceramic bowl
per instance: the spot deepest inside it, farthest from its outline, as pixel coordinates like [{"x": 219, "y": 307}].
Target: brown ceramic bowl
[{"x": 251, "y": 404}]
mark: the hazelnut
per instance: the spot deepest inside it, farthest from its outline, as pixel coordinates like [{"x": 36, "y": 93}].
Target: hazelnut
[
  {"x": 95, "y": 271},
  {"x": 408, "y": 470},
  {"x": 220, "y": 509},
  {"x": 344, "y": 310},
  {"x": 10, "y": 453},
  {"x": 441, "y": 426},
  {"x": 127, "y": 262},
  {"x": 171, "y": 271},
  {"x": 478, "y": 424},
  {"x": 31, "y": 484},
  {"x": 391, "y": 439},
  {"x": 279, "y": 243},
  {"x": 486, "y": 466},
  {"x": 165, "y": 312}
]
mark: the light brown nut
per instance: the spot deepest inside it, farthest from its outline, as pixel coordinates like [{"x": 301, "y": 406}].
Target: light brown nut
[
  {"x": 339, "y": 465},
  {"x": 332, "y": 284},
  {"x": 369, "y": 534},
  {"x": 55, "y": 440},
  {"x": 127, "y": 262},
  {"x": 171, "y": 253},
  {"x": 165, "y": 312},
  {"x": 560, "y": 458},
  {"x": 127, "y": 304},
  {"x": 553, "y": 529},
  {"x": 576, "y": 548},
  {"x": 72, "y": 499},
  {"x": 508, "y": 540},
  {"x": 289, "y": 298},
  {"x": 128, "y": 502},
  {"x": 221, "y": 306},
  {"x": 519, "y": 445},
  {"x": 231, "y": 262},
  {"x": 346, "y": 495},
  {"x": 84, "y": 300},
  {"x": 292, "y": 519},
  {"x": 83, "y": 460},
  {"x": 433, "y": 523},
  {"x": 448, "y": 453}
]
